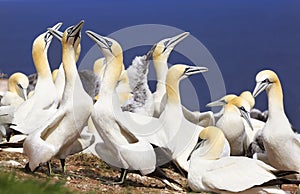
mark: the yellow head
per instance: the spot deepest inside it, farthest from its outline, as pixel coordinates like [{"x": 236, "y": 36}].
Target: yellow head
[
  {"x": 41, "y": 44},
  {"x": 175, "y": 74},
  {"x": 244, "y": 108},
  {"x": 18, "y": 83},
  {"x": 163, "y": 48},
  {"x": 248, "y": 96},
  {"x": 110, "y": 48},
  {"x": 264, "y": 80},
  {"x": 221, "y": 102}
]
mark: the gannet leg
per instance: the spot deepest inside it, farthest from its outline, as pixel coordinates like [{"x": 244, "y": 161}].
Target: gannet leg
[
  {"x": 63, "y": 165},
  {"x": 27, "y": 169},
  {"x": 50, "y": 172},
  {"x": 120, "y": 180}
]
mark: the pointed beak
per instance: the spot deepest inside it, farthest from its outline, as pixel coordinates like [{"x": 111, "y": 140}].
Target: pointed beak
[
  {"x": 200, "y": 141},
  {"x": 246, "y": 116},
  {"x": 259, "y": 88},
  {"x": 57, "y": 34},
  {"x": 191, "y": 70},
  {"x": 100, "y": 40},
  {"x": 24, "y": 92},
  {"x": 220, "y": 102},
  {"x": 176, "y": 39},
  {"x": 77, "y": 29},
  {"x": 55, "y": 28},
  {"x": 150, "y": 53}
]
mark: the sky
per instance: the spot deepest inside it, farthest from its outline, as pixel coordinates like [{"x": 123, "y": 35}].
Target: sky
[{"x": 242, "y": 37}]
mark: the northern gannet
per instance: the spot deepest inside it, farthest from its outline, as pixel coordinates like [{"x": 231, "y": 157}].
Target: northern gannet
[
  {"x": 43, "y": 103},
  {"x": 120, "y": 148},
  {"x": 233, "y": 126},
  {"x": 12, "y": 99},
  {"x": 161, "y": 52},
  {"x": 281, "y": 143},
  {"x": 212, "y": 170},
  {"x": 17, "y": 90},
  {"x": 56, "y": 136},
  {"x": 256, "y": 124}
]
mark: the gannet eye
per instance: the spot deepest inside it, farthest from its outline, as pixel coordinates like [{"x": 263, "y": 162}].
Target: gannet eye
[
  {"x": 243, "y": 109},
  {"x": 20, "y": 86},
  {"x": 69, "y": 31},
  {"x": 47, "y": 36},
  {"x": 266, "y": 81},
  {"x": 109, "y": 43},
  {"x": 166, "y": 43}
]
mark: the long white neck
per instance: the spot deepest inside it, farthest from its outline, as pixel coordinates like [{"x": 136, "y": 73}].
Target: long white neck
[
  {"x": 70, "y": 69},
  {"x": 161, "y": 68},
  {"x": 275, "y": 98},
  {"x": 111, "y": 76},
  {"x": 172, "y": 90},
  {"x": 41, "y": 63}
]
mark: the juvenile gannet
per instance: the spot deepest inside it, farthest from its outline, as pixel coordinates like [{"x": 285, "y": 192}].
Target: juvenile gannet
[
  {"x": 17, "y": 90},
  {"x": 212, "y": 170},
  {"x": 233, "y": 126},
  {"x": 142, "y": 99},
  {"x": 161, "y": 53},
  {"x": 43, "y": 103},
  {"x": 98, "y": 68},
  {"x": 280, "y": 142},
  {"x": 55, "y": 137},
  {"x": 120, "y": 148}
]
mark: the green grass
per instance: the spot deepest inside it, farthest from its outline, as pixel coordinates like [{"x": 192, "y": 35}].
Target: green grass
[{"x": 10, "y": 184}]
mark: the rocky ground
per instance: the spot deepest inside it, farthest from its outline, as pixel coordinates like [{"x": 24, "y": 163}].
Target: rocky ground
[{"x": 85, "y": 172}]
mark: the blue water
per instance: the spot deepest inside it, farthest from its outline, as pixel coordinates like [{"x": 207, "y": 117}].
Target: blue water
[{"x": 243, "y": 37}]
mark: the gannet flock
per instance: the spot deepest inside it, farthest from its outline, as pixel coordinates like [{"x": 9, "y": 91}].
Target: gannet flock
[{"x": 112, "y": 113}]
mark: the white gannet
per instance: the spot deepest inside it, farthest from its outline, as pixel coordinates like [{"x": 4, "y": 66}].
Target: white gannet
[
  {"x": 17, "y": 90},
  {"x": 212, "y": 170},
  {"x": 233, "y": 126},
  {"x": 55, "y": 137},
  {"x": 256, "y": 124},
  {"x": 161, "y": 52},
  {"x": 160, "y": 55},
  {"x": 12, "y": 99},
  {"x": 120, "y": 148},
  {"x": 142, "y": 99},
  {"x": 281, "y": 143},
  {"x": 43, "y": 103}
]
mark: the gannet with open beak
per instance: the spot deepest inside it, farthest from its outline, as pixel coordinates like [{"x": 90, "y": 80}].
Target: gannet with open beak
[
  {"x": 55, "y": 137},
  {"x": 233, "y": 126},
  {"x": 212, "y": 170},
  {"x": 43, "y": 103},
  {"x": 120, "y": 148},
  {"x": 281, "y": 144}
]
